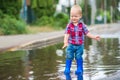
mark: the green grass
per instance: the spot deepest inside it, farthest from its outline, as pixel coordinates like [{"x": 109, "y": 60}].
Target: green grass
[{"x": 38, "y": 29}]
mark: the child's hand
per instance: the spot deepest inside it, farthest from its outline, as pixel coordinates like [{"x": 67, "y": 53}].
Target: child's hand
[
  {"x": 65, "y": 45},
  {"x": 97, "y": 38}
]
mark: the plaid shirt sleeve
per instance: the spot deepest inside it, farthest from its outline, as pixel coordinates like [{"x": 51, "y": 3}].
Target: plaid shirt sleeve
[
  {"x": 85, "y": 30},
  {"x": 67, "y": 30}
]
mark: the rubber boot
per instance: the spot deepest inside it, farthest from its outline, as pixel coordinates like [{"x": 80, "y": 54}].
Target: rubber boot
[
  {"x": 79, "y": 70},
  {"x": 68, "y": 77},
  {"x": 79, "y": 77},
  {"x": 68, "y": 66}
]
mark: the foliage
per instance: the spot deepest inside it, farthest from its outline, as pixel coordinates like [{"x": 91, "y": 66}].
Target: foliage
[
  {"x": 101, "y": 12},
  {"x": 109, "y": 3},
  {"x": 43, "y": 7},
  {"x": 10, "y": 25},
  {"x": 61, "y": 19},
  {"x": 44, "y": 20},
  {"x": 58, "y": 20},
  {"x": 11, "y": 7},
  {"x": 57, "y": 1},
  {"x": 9, "y": 18}
]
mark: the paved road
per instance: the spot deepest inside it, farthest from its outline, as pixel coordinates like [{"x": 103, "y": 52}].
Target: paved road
[
  {"x": 107, "y": 30},
  {"x": 17, "y": 41}
]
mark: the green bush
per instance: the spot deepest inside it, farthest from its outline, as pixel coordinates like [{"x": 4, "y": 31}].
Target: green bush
[
  {"x": 10, "y": 25},
  {"x": 58, "y": 21},
  {"x": 44, "y": 20},
  {"x": 9, "y": 18},
  {"x": 61, "y": 19}
]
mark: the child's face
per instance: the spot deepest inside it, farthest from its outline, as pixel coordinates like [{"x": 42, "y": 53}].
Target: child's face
[{"x": 75, "y": 16}]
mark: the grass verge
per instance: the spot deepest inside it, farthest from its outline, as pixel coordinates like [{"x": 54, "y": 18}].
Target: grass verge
[{"x": 38, "y": 29}]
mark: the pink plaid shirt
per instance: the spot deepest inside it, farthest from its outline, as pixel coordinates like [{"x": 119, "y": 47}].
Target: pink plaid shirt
[{"x": 76, "y": 33}]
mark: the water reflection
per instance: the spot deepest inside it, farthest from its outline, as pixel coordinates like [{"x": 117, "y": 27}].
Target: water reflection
[
  {"x": 101, "y": 59},
  {"x": 68, "y": 77},
  {"x": 11, "y": 67}
]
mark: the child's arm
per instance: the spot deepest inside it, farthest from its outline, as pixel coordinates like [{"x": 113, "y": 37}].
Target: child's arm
[
  {"x": 96, "y": 37},
  {"x": 66, "y": 36}
]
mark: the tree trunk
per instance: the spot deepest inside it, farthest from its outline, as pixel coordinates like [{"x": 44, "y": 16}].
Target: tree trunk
[{"x": 86, "y": 15}]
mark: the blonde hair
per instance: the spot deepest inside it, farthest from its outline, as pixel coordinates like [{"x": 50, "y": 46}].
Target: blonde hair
[{"x": 76, "y": 7}]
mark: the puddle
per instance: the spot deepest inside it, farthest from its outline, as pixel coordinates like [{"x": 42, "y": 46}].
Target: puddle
[{"x": 101, "y": 62}]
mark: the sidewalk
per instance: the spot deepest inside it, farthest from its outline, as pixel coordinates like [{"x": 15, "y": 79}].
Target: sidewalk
[{"x": 10, "y": 43}]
